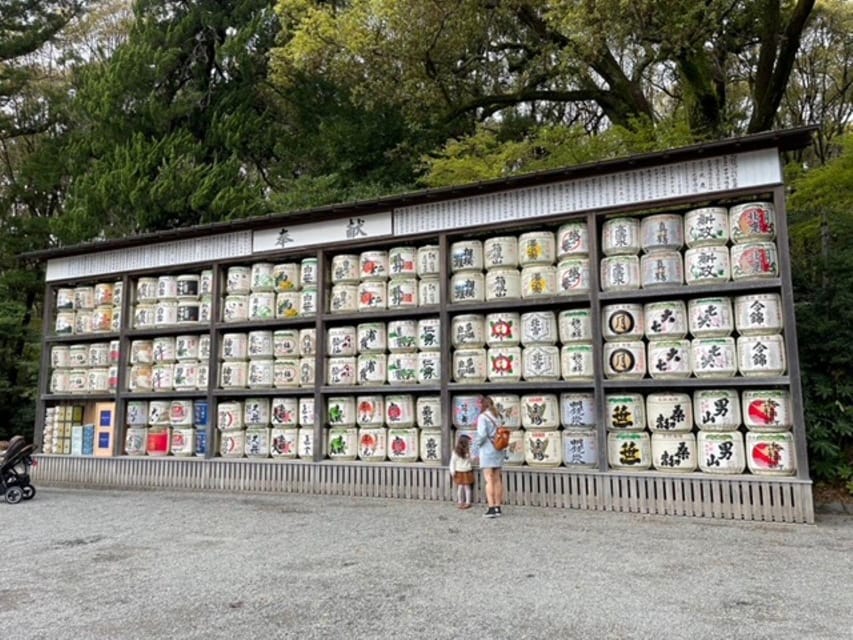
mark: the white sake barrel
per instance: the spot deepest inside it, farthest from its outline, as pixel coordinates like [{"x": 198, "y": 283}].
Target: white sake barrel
[
  {"x": 754, "y": 261},
  {"x": 262, "y": 305},
  {"x": 537, "y": 248},
  {"x": 403, "y": 292},
  {"x": 260, "y": 344},
  {"x": 284, "y": 412},
  {"x": 341, "y": 371},
  {"x": 261, "y": 277},
  {"x": 758, "y": 314},
  {"x": 577, "y": 410},
  {"x": 181, "y": 413},
  {"x": 572, "y": 240},
  {"x": 305, "y": 443},
  {"x": 343, "y": 298},
  {"x": 112, "y": 378},
  {"x": 115, "y": 325},
  {"x": 577, "y": 362},
  {"x": 401, "y": 261},
  {"x": 503, "y": 364},
  {"x": 205, "y": 308},
  {"x": 466, "y": 408},
  {"x": 540, "y": 411},
  {"x": 308, "y": 273},
  {"x": 713, "y": 357},
  {"x": 429, "y": 260},
  {"x": 674, "y": 452},
  {"x": 136, "y": 413},
  {"x": 65, "y": 299},
  {"x": 287, "y": 304},
  {"x": 543, "y": 448},
  {"x": 716, "y": 409},
  {"x": 373, "y": 265},
  {"x": 370, "y": 411},
  {"x": 285, "y": 343},
  {"x": 78, "y": 355},
  {"x": 202, "y": 376},
  {"x": 625, "y": 411},
  {"x": 185, "y": 375},
  {"x": 186, "y": 347},
  {"x": 620, "y": 273},
  {"x": 540, "y": 363},
  {"x": 308, "y": 302},
  {"x": 665, "y": 320},
  {"x": 84, "y": 298},
  {"x": 103, "y": 294},
  {"x": 721, "y": 453},
  {"x": 307, "y": 342},
  {"x": 341, "y": 341},
  {"x": 238, "y": 280},
  {"x": 573, "y": 277},
  {"x": 402, "y": 368},
  {"x": 182, "y": 442},
  {"x": 707, "y": 265},
  {"x": 340, "y": 411},
  {"x": 163, "y": 377},
  {"x": 466, "y": 256},
  {"x": 187, "y": 286},
  {"x": 99, "y": 380},
  {"x": 625, "y": 360},
  {"x": 753, "y": 221},
  {"x": 502, "y": 328},
  {"x": 307, "y": 372},
  {"x": 466, "y": 331},
  {"x": 372, "y": 295},
  {"x": 60, "y": 357},
  {"x": 429, "y": 334},
  {"x": 135, "y": 441},
  {"x": 159, "y": 412},
  {"x": 400, "y": 410},
  {"x": 469, "y": 366},
  {"x": 429, "y": 367},
  {"x": 429, "y": 291},
  {"x": 500, "y": 253},
  {"x": 166, "y": 313},
  {"x": 146, "y": 290},
  {"x": 372, "y": 368},
  {"x": 508, "y": 407},
  {"x": 371, "y": 337},
  {"x": 767, "y": 410},
  {"x": 580, "y": 448},
  {"x": 163, "y": 349},
  {"x": 514, "y": 452},
  {"x": 102, "y": 319},
  {"x": 372, "y": 444},
  {"x": 706, "y": 226},
  {"x": 429, "y": 446},
  {"x": 771, "y": 454},
  {"x": 467, "y": 286},
  {"x": 139, "y": 378},
  {"x": 621, "y": 236},
  {"x": 235, "y": 346},
  {"x": 710, "y": 317},
  {"x": 306, "y": 412},
  {"x": 283, "y": 442},
  {"x": 260, "y": 373},
  {"x": 82, "y": 322},
  {"x": 662, "y": 232},
  {"x": 538, "y": 281},
  {"x": 661, "y": 269},
  {"x": 232, "y": 444},
  {"x": 205, "y": 282},
  {"x": 761, "y": 355},
  {"x": 403, "y": 445},
  {"x": 669, "y": 412},
  {"x": 229, "y": 415},
  {"x": 503, "y": 284},
  {"x": 286, "y": 276},
  {"x": 539, "y": 328},
  {"x": 669, "y": 359},
  {"x": 428, "y": 412},
  {"x": 629, "y": 450},
  {"x": 236, "y": 308},
  {"x": 65, "y": 323},
  {"x": 233, "y": 375},
  {"x": 167, "y": 288}
]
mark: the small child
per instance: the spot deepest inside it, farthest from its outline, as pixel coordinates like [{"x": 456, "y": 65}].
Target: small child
[{"x": 460, "y": 470}]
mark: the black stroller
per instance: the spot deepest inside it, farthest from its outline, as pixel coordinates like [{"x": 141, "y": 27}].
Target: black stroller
[{"x": 15, "y": 464}]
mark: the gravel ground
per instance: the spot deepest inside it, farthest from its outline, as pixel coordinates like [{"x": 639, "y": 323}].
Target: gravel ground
[{"x": 126, "y": 565}]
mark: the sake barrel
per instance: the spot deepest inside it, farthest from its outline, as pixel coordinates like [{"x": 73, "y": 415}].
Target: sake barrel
[
  {"x": 403, "y": 292},
  {"x": 758, "y": 314},
  {"x": 625, "y": 360},
  {"x": 235, "y": 346},
  {"x": 345, "y": 269},
  {"x": 65, "y": 323},
  {"x": 370, "y": 411},
  {"x": 752, "y": 221},
  {"x": 501, "y": 253},
  {"x": 159, "y": 412},
  {"x": 671, "y": 412},
  {"x": 538, "y": 281},
  {"x": 284, "y": 412},
  {"x": 185, "y": 375},
  {"x": 285, "y": 343},
  {"x": 429, "y": 291},
  {"x": 60, "y": 357},
  {"x": 235, "y": 308},
  {"x": 343, "y": 298},
  {"x": 665, "y": 320},
  {"x": 629, "y": 450},
  {"x": 401, "y": 261},
  {"x": 205, "y": 308},
  {"x": 707, "y": 265},
  {"x": 662, "y": 233},
  {"x": 577, "y": 410},
  {"x": 262, "y": 277},
  {"x": 99, "y": 380},
  {"x": 540, "y": 411},
  {"x": 285, "y": 372},
  {"x": 539, "y": 328},
  {"x": 669, "y": 359},
  {"x": 146, "y": 290},
  {"x": 65, "y": 299},
  {"x": 308, "y": 273},
  {"x": 572, "y": 240},
  {"x": 373, "y": 265},
  {"x": 428, "y": 260},
  {"x": 402, "y": 368},
  {"x": 283, "y": 442},
  {"x": 306, "y": 412},
  {"x": 232, "y": 444},
  {"x": 229, "y": 415},
  {"x": 400, "y": 410},
  {"x": 469, "y": 366},
  {"x": 341, "y": 341},
  {"x": 429, "y": 446},
  {"x": 508, "y": 407},
  {"x": 181, "y": 413},
  {"x": 575, "y": 325},
  {"x": 661, "y": 269},
  {"x": 710, "y": 317},
  {"x": 233, "y": 375},
  {"x": 371, "y": 337},
  {"x": 713, "y": 357},
  {"x": 238, "y": 280},
  {"x": 163, "y": 377},
  {"x": 706, "y": 226},
  {"x": 537, "y": 248},
  {"x": 620, "y": 273},
  {"x": 202, "y": 376},
  {"x": 576, "y": 362},
  {"x": 186, "y": 347},
  {"x": 59, "y": 381},
  {"x": 503, "y": 284},
  {"x": 429, "y": 367},
  {"x": 467, "y": 331},
  {"x": 115, "y": 323},
  {"x": 514, "y": 452},
  {"x": 136, "y": 441},
  {"x": 182, "y": 442},
  {"x": 467, "y": 286},
  {"x": 260, "y": 373},
  {"x": 542, "y": 448},
  {"x": 466, "y": 255},
  {"x": 372, "y": 444},
  {"x": 287, "y": 304},
  {"x": 625, "y": 411},
  {"x": 139, "y": 378},
  {"x": 341, "y": 371},
  {"x": 403, "y": 444},
  {"x": 721, "y": 453},
  {"x": 372, "y": 368},
  {"x": 305, "y": 443},
  {"x": 428, "y": 412},
  {"x": 372, "y": 295},
  {"x": 767, "y": 409},
  {"x": 78, "y": 355},
  {"x": 429, "y": 334},
  {"x": 502, "y": 328},
  {"x": 573, "y": 277},
  {"x": 286, "y": 276},
  {"x": 466, "y": 408},
  {"x": 166, "y": 313},
  {"x": 754, "y": 261},
  {"x": 580, "y": 449},
  {"x": 260, "y": 344},
  {"x": 102, "y": 319},
  {"x": 205, "y": 282},
  {"x": 771, "y": 454},
  {"x": 716, "y": 409},
  {"x": 307, "y": 342},
  {"x": 307, "y": 372},
  {"x": 84, "y": 298},
  {"x": 503, "y": 364},
  {"x": 340, "y": 411},
  {"x": 262, "y": 305},
  {"x": 158, "y": 441},
  {"x": 82, "y": 322},
  {"x": 620, "y": 236},
  {"x": 163, "y": 349},
  {"x": 674, "y": 452},
  {"x": 187, "y": 286},
  {"x": 308, "y": 302},
  {"x": 761, "y": 356},
  {"x": 167, "y": 288}
]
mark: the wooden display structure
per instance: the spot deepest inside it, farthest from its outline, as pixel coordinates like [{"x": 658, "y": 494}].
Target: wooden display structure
[{"x": 725, "y": 172}]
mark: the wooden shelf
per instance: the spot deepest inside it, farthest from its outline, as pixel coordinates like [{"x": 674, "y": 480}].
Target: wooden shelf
[
  {"x": 262, "y": 393},
  {"x": 82, "y": 337},
  {"x": 514, "y": 304},
  {"x": 170, "y": 330},
  {"x": 692, "y": 291},
  {"x": 275, "y": 323},
  {"x": 78, "y": 397},
  {"x": 384, "y": 315},
  {"x": 165, "y": 395},
  {"x": 380, "y": 389}
]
